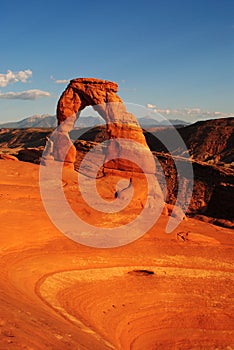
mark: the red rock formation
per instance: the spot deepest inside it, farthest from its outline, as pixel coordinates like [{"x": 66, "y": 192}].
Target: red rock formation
[
  {"x": 210, "y": 141},
  {"x": 101, "y": 94},
  {"x": 126, "y": 151}
]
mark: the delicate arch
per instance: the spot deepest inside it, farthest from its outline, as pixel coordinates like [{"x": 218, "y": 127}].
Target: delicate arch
[{"x": 102, "y": 96}]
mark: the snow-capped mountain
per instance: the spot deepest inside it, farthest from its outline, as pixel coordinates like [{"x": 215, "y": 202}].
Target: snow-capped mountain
[
  {"x": 35, "y": 121},
  {"x": 50, "y": 121}
]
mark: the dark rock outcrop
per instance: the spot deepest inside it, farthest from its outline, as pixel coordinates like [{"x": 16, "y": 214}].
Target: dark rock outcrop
[
  {"x": 210, "y": 141},
  {"x": 31, "y": 155}
]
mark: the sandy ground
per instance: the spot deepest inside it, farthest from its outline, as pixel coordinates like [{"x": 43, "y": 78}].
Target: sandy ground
[{"x": 159, "y": 292}]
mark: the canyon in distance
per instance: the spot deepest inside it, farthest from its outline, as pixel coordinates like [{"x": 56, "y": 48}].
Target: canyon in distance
[{"x": 162, "y": 291}]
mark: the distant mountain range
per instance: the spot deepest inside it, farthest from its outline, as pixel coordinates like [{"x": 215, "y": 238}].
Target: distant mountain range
[
  {"x": 146, "y": 122},
  {"x": 50, "y": 121},
  {"x": 35, "y": 121}
]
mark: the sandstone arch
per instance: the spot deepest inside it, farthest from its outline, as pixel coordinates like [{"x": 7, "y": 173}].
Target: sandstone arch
[
  {"x": 102, "y": 96},
  {"x": 121, "y": 126}
]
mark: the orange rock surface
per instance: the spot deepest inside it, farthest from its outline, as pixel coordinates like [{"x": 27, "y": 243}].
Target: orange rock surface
[{"x": 163, "y": 291}]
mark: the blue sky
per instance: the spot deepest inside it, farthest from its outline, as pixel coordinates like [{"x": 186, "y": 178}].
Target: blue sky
[{"x": 168, "y": 53}]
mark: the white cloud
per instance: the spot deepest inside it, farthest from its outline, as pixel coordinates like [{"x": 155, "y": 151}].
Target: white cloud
[
  {"x": 59, "y": 81},
  {"x": 14, "y": 77},
  {"x": 188, "y": 113},
  {"x": 62, "y": 81},
  {"x": 149, "y": 105},
  {"x": 24, "y": 95}
]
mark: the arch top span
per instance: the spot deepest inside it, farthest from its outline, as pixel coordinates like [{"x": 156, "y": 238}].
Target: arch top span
[
  {"x": 108, "y": 85},
  {"x": 83, "y": 92}
]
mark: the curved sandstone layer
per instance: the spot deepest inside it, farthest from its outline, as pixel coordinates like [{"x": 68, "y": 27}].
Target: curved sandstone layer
[{"x": 101, "y": 302}]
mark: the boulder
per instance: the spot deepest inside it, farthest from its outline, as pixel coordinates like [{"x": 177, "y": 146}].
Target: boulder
[{"x": 32, "y": 155}]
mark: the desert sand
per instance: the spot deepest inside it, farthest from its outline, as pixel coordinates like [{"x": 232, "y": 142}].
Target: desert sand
[{"x": 163, "y": 291}]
